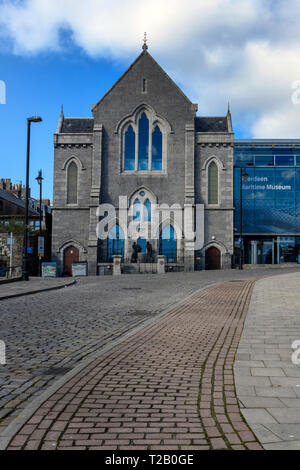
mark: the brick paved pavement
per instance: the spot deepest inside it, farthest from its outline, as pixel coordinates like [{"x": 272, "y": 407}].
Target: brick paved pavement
[
  {"x": 169, "y": 387},
  {"x": 48, "y": 334}
]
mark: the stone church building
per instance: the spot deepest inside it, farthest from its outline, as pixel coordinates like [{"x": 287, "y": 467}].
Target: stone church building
[{"x": 146, "y": 144}]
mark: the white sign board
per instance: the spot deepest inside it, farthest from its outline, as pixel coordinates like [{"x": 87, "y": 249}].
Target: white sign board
[{"x": 41, "y": 246}]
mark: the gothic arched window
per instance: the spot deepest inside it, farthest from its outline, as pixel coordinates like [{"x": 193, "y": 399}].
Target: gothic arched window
[
  {"x": 147, "y": 211},
  {"x": 115, "y": 242},
  {"x": 167, "y": 244},
  {"x": 143, "y": 152},
  {"x": 129, "y": 157},
  {"x": 72, "y": 183},
  {"x": 157, "y": 142},
  {"x": 144, "y": 143},
  {"x": 213, "y": 184},
  {"x": 137, "y": 210}
]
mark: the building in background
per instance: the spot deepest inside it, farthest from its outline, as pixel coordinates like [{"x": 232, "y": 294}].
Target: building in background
[
  {"x": 270, "y": 200},
  {"x": 12, "y": 217}
]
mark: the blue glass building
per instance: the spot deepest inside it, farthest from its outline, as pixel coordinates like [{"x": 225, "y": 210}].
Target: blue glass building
[{"x": 267, "y": 179}]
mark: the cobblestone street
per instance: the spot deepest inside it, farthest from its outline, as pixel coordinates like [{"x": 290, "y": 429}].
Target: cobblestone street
[{"x": 48, "y": 334}]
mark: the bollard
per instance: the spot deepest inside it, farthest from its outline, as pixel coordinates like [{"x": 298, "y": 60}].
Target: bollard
[
  {"x": 161, "y": 264},
  {"x": 117, "y": 265}
]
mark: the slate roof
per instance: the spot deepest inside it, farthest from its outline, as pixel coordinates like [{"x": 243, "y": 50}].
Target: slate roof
[
  {"x": 211, "y": 124},
  {"x": 77, "y": 126},
  {"x": 202, "y": 124},
  {"x": 9, "y": 197}
]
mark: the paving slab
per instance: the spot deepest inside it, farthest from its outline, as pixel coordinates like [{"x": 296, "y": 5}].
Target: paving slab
[
  {"x": 261, "y": 402},
  {"x": 283, "y": 445},
  {"x": 258, "y": 415},
  {"x": 272, "y": 409},
  {"x": 264, "y": 434}
]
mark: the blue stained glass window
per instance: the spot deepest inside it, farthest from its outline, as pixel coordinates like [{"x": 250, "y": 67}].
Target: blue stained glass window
[
  {"x": 147, "y": 211},
  {"x": 129, "y": 149},
  {"x": 137, "y": 211},
  {"x": 157, "y": 149},
  {"x": 142, "y": 243},
  {"x": 168, "y": 244},
  {"x": 115, "y": 241},
  {"x": 143, "y": 153}
]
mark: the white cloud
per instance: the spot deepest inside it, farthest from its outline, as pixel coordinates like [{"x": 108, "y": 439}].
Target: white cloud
[{"x": 245, "y": 51}]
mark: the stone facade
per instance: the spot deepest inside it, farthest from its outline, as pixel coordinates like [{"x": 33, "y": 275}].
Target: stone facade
[{"x": 190, "y": 144}]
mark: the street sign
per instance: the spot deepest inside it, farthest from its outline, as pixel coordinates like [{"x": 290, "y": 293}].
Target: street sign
[
  {"x": 41, "y": 246},
  {"x": 29, "y": 250},
  {"x": 10, "y": 241}
]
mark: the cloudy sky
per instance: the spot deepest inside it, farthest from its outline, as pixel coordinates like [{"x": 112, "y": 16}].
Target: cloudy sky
[{"x": 71, "y": 51}]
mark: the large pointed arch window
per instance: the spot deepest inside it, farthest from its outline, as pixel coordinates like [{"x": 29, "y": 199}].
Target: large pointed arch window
[
  {"x": 213, "y": 184},
  {"x": 144, "y": 143},
  {"x": 72, "y": 183}
]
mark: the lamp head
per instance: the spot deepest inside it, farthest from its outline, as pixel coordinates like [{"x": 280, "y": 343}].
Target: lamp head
[
  {"x": 39, "y": 177},
  {"x": 34, "y": 119}
]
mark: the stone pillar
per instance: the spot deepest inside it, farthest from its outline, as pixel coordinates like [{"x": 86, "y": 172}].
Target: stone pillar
[
  {"x": 161, "y": 264},
  {"x": 95, "y": 200},
  {"x": 117, "y": 265},
  {"x": 189, "y": 238}
]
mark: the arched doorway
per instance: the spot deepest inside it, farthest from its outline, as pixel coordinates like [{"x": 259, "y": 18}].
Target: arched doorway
[
  {"x": 212, "y": 258},
  {"x": 71, "y": 255}
]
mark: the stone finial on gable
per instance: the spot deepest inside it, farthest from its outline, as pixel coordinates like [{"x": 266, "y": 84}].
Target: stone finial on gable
[
  {"x": 229, "y": 120},
  {"x": 145, "y": 47},
  {"x": 61, "y": 120}
]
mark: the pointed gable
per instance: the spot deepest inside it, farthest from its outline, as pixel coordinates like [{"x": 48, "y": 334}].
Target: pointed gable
[
  {"x": 143, "y": 82},
  {"x": 144, "y": 56}
]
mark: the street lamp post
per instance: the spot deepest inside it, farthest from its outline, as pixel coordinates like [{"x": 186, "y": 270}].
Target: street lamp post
[
  {"x": 39, "y": 179},
  {"x": 243, "y": 177},
  {"x": 25, "y": 275}
]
